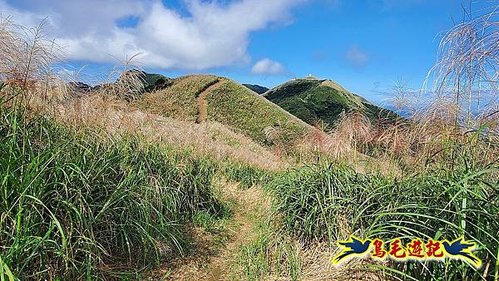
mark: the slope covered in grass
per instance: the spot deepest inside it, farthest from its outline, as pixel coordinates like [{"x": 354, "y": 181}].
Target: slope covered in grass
[
  {"x": 72, "y": 204},
  {"x": 178, "y": 100},
  {"x": 207, "y": 139},
  {"x": 240, "y": 108},
  {"x": 227, "y": 102},
  {"x": 314, "y": 100}
]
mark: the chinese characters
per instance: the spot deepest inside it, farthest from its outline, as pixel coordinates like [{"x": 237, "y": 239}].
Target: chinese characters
[{"x": 416, "y": 249}]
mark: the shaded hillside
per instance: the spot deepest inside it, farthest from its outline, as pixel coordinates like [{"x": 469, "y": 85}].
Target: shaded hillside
[
  {"x": 203, "y": 98},
  {"x": 314, "y": 100},
  {"x": 151, "y": 81},
  {"x": 137, "y": 81},
  {"x": 256, "y": 88}
]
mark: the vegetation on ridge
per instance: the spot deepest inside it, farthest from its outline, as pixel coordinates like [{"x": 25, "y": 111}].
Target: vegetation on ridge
[
  {"x": 227, "y": 103},
  {"x": 102, "y": 186},
  {"x": 315, "y": 101}
]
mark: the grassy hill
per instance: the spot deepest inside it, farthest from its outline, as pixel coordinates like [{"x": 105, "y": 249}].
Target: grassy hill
[
  {"x": 203, "y": 98},
  {"x": 96, "y": 186},
  {"x": 179, "y": 99},
  {"x": 314, "y": 100},
  {"x": 256, "y": 88}
]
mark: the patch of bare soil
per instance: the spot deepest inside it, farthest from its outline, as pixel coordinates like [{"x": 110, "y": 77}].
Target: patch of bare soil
[
  {"x": 202, "y": 104},
  {"x": 212, "y": 254}
]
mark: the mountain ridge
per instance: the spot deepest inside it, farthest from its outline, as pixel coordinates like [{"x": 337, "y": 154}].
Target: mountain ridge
[{"x": 322, "y": 100}]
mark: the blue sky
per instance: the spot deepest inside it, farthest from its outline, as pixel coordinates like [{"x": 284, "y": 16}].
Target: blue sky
[{"x": 367, "y": 46}]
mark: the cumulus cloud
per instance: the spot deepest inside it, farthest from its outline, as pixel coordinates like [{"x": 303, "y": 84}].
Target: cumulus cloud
[
  {"x": 267, "y": 67},
  {"x": 356, "y": 57},
  {"x": 205, "y": 34}
]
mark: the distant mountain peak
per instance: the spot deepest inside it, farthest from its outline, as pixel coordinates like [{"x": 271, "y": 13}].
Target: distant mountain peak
[
  {"x": 256, "y": 88},
  {"x": 314, "y": 100}
]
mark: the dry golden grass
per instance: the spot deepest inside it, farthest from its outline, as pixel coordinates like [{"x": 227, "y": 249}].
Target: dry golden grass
[
  {"x": 343, "y": 144},
  {"x": 467, "y": 68},
  {"x": 410, "y": 145},
  {"x": 26, "y": 55},
  {"x": 404, "y": 145},
  {"x": 114, "y": 116},
  {"x": 179, "y": 100}
]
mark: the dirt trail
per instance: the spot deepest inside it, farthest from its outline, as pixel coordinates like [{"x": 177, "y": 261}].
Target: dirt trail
[
  {"x": 202, "y": 104},
  {"x": 214, "y": 256},
  {"x": 212, "y": 260}
]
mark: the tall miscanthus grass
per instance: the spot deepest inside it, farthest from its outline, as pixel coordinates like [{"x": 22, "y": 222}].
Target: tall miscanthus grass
[
  {"x": 467, "y": 67},
  {"x": 125, "y": 80},
  {"x": 426, "y": 141},
  {"x": 27, "y": 55},
  {"x": 328, "y": 202},
  {"x": 459, "y": 98},
  {"x": 74, "y": 205}
]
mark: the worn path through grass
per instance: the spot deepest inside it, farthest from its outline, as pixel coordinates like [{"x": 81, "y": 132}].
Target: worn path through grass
[
  {"x": 202, "y": 104},
  {"x": 213, "y": 254}
]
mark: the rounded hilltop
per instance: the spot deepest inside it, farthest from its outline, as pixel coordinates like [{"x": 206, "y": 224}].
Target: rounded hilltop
[
  {"x": 204, "y": 98},
  {"x": 322, "y": 100}
]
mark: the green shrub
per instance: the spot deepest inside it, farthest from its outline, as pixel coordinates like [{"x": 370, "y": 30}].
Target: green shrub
[
  {"x": 70, "y": 203},
  {"x": 328, "y": 202}
]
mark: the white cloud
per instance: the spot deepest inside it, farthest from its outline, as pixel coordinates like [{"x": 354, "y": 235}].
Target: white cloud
[
  {"x": 267, "y": 67},
  {"x": 356, "y": 57},
  {"x": 209, "y": 34}
]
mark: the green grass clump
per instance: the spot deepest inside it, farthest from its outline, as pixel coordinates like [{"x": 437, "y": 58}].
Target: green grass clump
[
  {"x": 315, "y": 200},
  {"x": 269, "y": 255},
  {"x": 72, "y": 203},
  {"x": 328, "y": 202},
  {"x": 247, "y": 175}
]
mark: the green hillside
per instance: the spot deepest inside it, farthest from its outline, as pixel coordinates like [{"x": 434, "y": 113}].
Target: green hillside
[
  {"x": 203, "y": 98},
  {"x": 179, "y": 99},
  {"x": 314, "y": 100},
  {"x": 151, "y": 81},
  {"x": 256, "y": 88}
]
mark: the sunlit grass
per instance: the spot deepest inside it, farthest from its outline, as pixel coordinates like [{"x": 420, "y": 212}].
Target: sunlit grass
[
  {"x": 328, "y": 202},
  {"x": 74, "y": 203}
]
